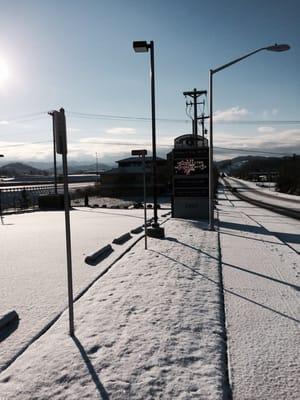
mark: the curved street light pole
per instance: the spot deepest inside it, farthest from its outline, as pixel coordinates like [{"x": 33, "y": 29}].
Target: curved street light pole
[{"x": 276, "y": 48}]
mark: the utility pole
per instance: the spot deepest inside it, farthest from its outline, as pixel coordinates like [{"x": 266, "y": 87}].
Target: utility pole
[
  {"x": 97, "y": 170},
  {"x": 194, "y": 94}
]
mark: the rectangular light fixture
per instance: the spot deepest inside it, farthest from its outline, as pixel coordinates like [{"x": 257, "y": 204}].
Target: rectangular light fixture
[{"x": 140, "y": 47}]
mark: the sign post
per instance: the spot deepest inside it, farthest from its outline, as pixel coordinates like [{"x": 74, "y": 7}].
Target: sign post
[
  {"x": 142, "y": 153},
  {"x": 190, "y": 178},
  {"x": 60, "y": 131}
]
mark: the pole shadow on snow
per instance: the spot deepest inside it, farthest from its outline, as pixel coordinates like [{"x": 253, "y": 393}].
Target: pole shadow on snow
[
  {"x": 285, "y": 237},
  {"x": 230, "y": 291},
  {"x": 295, "y": 287},
  {"x": 111, "y": 213},
  {"x": 252, "y": 238},
  {"x": 102, "y": 392}
]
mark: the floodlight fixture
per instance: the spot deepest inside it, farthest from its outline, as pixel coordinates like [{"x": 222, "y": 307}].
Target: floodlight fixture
[{"x": 141, "y": 46}]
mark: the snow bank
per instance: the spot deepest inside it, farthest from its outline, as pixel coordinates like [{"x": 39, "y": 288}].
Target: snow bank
[{"x": 150, "y": 328}]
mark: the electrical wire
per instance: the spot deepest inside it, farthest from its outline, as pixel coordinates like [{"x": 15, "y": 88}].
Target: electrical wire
[
  {"x": 32, "y": 116},
  {"x": 74, "y": 114}
]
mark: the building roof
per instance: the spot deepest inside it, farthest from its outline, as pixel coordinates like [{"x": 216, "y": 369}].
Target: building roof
[{"x": 139, "y": 159}]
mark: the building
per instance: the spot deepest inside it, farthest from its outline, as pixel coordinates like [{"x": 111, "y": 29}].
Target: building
[{"x": 128, "y": 178}]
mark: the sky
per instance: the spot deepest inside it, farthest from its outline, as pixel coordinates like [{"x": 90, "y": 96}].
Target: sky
[{"x": 78, "y": 55}]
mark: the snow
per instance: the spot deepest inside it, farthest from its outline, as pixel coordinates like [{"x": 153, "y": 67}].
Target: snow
[
  {"x": 261, "y": 271},
  {"x": 33, "y": 263},
  {"x": 250, "y": 190},
  {"x": 150, "y": 328}
]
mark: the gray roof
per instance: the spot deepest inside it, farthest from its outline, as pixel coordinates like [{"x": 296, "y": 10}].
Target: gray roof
[{"x": 139, "y": 159}]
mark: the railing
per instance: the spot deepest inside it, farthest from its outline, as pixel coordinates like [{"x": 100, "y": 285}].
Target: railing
[{"x": 14, "y": 199}]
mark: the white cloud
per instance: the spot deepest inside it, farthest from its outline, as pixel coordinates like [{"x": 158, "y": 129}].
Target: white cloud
[
  {"x": 285, "y": 141},
  {"x": 121, "y": 131},
  {"x": 270, "y": 113},
  {"x": 265, "y": 129},
  {"x": 74, "y": 130},
  {"x": 231, "y": 114},
  {"x": 3, "y": 122}
]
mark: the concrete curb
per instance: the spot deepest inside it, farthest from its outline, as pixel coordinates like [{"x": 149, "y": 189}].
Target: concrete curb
[
  {"x": 7, "y": 318},
  {"x": 122, "y": 239},
  {"x": 139, "y": 229},
  {"x": 94, "y": 258}
]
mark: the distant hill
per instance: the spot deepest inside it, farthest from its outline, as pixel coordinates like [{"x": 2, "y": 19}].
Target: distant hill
[
  {"x": 20, "y": 169},
  {"x": 284, "y": 170},
  {"x": 244, "y": 164},
  {"x": 77, "y": 168},
  {"x": 46, "y": 168}
]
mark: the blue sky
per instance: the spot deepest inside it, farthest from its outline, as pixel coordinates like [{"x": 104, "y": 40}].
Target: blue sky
[{"x": 78, "y": 55}]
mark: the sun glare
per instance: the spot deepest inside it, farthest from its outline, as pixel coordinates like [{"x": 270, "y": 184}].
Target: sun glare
[{"x": 5, "y": 72}]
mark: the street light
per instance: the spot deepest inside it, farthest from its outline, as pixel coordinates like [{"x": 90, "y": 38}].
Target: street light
[
  {"x": 143, "y": 47},
  {"x": 276, "y": 47}
]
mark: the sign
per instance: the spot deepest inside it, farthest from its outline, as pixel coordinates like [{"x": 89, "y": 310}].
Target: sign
[
  {"x": 190, "y": 169},
  {"x": 138, "y": 152},
  {"x": 60, "y": 131}
]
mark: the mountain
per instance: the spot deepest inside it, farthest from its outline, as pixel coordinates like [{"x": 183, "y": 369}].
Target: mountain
[
  {"x": 245, "y": 164},
  {"x": 20, "y": 169}
]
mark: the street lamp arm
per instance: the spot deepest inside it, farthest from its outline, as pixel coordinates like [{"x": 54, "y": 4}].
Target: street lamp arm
[{"x": 237, "y": 60}]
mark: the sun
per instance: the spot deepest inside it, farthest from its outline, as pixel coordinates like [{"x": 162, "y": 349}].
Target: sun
[{"x": 5, "y": 72}]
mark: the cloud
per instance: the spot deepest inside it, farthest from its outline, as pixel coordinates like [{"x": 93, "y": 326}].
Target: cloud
[
  {"x": 285, "y": 141},
  {"x": 265, "y": 129},
  {"x": 74, "y": 130},
  {"x": 231, "y": 114},
  {"x": 3, "y": 122},
  {"x": 121, "y": 131},
  {"x": 110, "y": 149},
  {"x": 270, "y": 113}
]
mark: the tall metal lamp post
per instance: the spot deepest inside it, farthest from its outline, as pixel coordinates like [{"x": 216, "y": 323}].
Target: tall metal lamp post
[
  {"x": 144, "y": 47},
  {"x": 275, "y": 47}
]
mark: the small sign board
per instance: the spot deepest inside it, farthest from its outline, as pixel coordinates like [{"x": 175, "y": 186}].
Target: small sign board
[
  {"x": 60, "y": 131},
  {"x": 139, "y": 152}
]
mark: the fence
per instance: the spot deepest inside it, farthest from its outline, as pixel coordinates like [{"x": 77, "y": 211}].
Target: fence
[{"x": 14, "y": 199}]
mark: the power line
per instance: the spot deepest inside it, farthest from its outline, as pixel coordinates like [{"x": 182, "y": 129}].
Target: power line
[
  {"x": 121, "y": 117},
  {"x": 74, "y": 114},
  {"x": 253, "y": 151},
  {"x": 40, "y": 114}
]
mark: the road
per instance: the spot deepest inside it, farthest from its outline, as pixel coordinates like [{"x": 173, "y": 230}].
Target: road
[
  {"x": 261, "y": 274},
  {"x": 33, "y": 263},
  {"x": 263, "y": 195}
]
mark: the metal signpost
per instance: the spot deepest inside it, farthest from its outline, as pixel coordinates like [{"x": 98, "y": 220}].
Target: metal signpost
[
  {"x": 143, "y": 153},
  {"x": 190, "y": 177},
  {"x": 59, "y": 123},
  {"x": 54, "y": 153}
]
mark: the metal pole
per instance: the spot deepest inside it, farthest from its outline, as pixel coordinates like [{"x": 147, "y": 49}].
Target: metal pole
[
  {"x": 145, "y": 206},
  {"x": 68, "y": 240},
  {"x": 54, "y": 155},
  {"x": 1, "y": 207},
  {"x": 154, "y": 169},
  {"x": 96, "y": 167},
  {"x": 210, "y": 154},
  {"x": 195, "y": 114}
]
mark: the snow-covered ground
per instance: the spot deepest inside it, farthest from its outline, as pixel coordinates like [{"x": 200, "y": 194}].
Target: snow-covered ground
[
  {"x": 33, "y": 263},
  {"x": 150, "y": 328},
  {"x": 252, "y": 191},
  {"x": 261, "y": 275}
]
